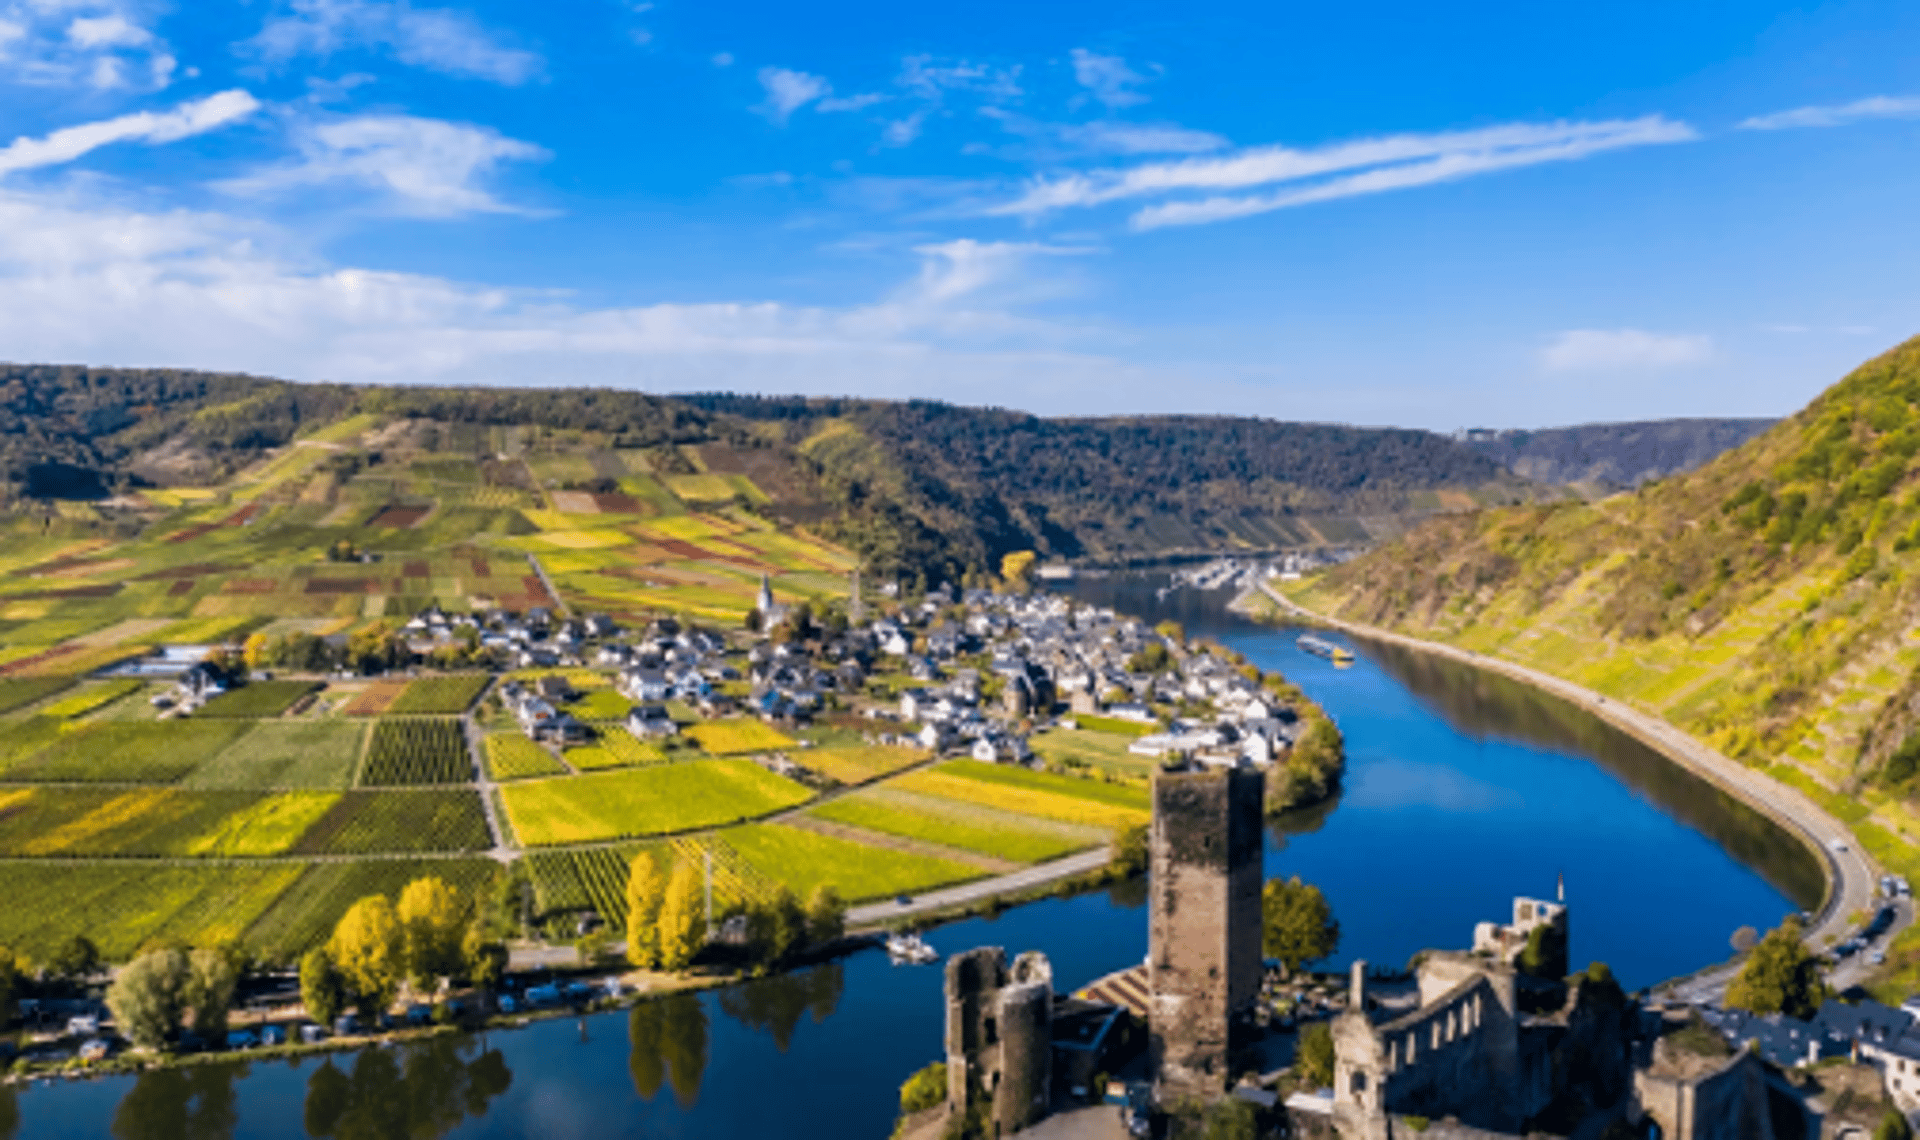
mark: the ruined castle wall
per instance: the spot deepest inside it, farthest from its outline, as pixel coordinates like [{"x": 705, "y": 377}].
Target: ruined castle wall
[
  {"x": 974, "y": 979},
  {"x": 1204, "y": 961},
  {"x": 1026, "y": 1055}
]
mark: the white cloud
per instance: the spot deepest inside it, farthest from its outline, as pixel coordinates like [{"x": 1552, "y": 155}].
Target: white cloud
[
  {"x": 105, "y": 44},
  {"x": 973, "y": 269},
  {"x": 1048, "y": 141},
  {"x": 1876, "y": 107},
  {"x": 1107, "y": 78},
  {"x": 69, "y": 143},
  {"x": 929, "y": 79},
  {"x": 851, "y": 102},
  {"x": 423, "y": 167},
  {"x": 788, "y": 91},
  {"x": 1614, "y": 350},
  {"x": 109, "y": 285},
  {"x": 723, "y": 59},
  {"x": 1364, "y": 166},
  {"x": 436, "y": 39}
]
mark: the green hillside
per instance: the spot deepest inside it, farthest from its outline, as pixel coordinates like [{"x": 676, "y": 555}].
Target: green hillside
[{"x": 1765, "y": 602}]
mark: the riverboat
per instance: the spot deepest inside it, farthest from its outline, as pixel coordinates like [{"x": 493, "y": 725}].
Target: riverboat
[
  {"x": 910, "y": 949},
  {"x": 1321, "y": 647}
]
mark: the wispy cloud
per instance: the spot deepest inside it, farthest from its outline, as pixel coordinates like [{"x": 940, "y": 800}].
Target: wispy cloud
[
  {"x": 421, "y": 167},
  {"x": 1107, "y": 78},
  {"x": 1339, "y": 170},
  {"x": 104, "y": 44},
  {"x": 436, "y": 39},
  {"x": 69, "y": 143},
  {"x": 788, "y": 91},
  {"x": 1876, "y": 107},
  {"x": 1051, "y": 141},
  {"x": 1613, "y": 350}
]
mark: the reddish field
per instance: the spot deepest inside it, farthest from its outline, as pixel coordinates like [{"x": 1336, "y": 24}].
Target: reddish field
[{"x": 399, "y": 518}]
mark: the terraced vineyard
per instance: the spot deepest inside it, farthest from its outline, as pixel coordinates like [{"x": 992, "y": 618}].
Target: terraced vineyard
[{"x": 417, "y": 751}]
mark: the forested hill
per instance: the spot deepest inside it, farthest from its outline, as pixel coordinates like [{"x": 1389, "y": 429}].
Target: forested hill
[
  {"x": 1766, "y": 602},
  {"x": 1127, "y": 487},
  {"x": 1602, "y": 458}
]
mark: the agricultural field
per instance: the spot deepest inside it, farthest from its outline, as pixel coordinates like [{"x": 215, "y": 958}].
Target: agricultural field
[
  {"x": 374, "y": 699},
  {"x": 735, "y": 736},
  {"x": 805, "y": 859},
  {"x": 122, "y": 905},
  {"x": 113, "y": 821},
  {"x": 317, "y": 754},
  {"x": 415, "y": 820},
  {"x": 856, "y": 764},
  {"x": 614, "y": 748},
  {"x": 19, "y": 692},
  {"x": 968, "y": 827},
  {"x": 256, "y": 700},
  {"x": 404, "y": 752},
  {"x": 90, "y": 698},
  {"x": 309, "y": 908},
  {"x": 1118, "y": 726},
  {"x": 268, "y": 827},
  {"x": 601, "y": 704},
  {"x": 1066, "y": 799},
  {"x": 440, "y": 696},
  {"x": 593, "y": 879},
  {"x": 150, "y": 752},
  {"x": 1106, "y": 751},
  {"x": 511, "y": 756},
  {"x": 655, "y": 800}
]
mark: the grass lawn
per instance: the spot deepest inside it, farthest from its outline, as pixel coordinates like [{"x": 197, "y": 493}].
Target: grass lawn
[
  {"x": 1103, "y": 750},
  {"x": 1025, "y": 792},
  {"x": 730, "y": 737},
  {"x": 511, "y": 756},
  {"x": 805, "y": 859},
  {"x": 966, "y": 826},
  {"x": 645, "y": 801},
  {"x": 601, "y": 704},
  {"x": 856, "y": 764},
  {"x": 1113, "y": 724},
  {"x": 285, "y": 754}
]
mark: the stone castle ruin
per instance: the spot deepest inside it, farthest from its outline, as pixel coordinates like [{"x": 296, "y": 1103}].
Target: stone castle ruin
[{"x": 1000, "y": 1036}]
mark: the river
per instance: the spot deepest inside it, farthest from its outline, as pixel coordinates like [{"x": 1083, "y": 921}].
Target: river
[{"x": 1463, "y": 789}]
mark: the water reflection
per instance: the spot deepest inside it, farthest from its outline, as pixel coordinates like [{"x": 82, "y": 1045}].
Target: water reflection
[
  {"x": 1487, "y": 705},
  {"x": 9, "y": 1113},
  {"x": 170, "y": 1104},
  {"x": 774, "y": 1005},
  {"x": 418, "y": 1091},
  {"x": 669, "y": 1038}
]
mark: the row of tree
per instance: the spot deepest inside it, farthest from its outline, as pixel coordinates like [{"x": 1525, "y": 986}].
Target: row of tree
[
  {"x": 379, "y": 946},
  {"x": 667, "y": 921}
]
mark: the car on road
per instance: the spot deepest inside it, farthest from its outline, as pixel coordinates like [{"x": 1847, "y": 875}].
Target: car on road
[
  {"x": 1837, "y": 844},
  {"x": 903, "y": 900},
  {"x": 1879, "y": 958}
]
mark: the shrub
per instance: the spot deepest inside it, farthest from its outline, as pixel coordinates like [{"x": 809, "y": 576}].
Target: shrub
[{"x": 924, "y": 1089}]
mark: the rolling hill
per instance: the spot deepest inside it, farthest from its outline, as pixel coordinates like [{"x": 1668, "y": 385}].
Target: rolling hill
[
  {"x": 1602, "y": 458},
  {"x": 1766, "y": 602}
]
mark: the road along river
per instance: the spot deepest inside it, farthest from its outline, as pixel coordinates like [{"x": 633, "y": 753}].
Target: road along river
[{"x": 1463, "y": 789}]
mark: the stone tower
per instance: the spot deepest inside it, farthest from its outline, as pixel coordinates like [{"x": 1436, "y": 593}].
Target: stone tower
[
  {"x": 764, "y": 600},
  {"x": 1000, "y": 1035},
  {"x": 1204, "y": 963}
]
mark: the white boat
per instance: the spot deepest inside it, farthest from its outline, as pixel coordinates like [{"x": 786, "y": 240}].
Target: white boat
[
  {"x": 1321, "y": 647},
  {"x": 911, "y": 949}
]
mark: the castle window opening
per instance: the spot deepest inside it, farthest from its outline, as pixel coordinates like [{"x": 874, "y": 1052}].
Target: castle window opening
[
  {"x": 993, "y": 1031},
  {"x": 1358, "y": 1084}
]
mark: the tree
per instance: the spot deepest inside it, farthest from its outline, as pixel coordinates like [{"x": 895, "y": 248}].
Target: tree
[
  {"x": 322, "y": 990},
  {"x": 1893, "y": 1126},
  {"x": 1014, "y": 567},
  {"x": 924, "y": 1089},
  {"x": 486, "y": 960},
  {"x": 682, "y": 918},
  {"x": 1129, "y": 856},
  {"x": 1780, "y": 976},
  {"x": 1545, "y": 954},
  {"x": 77, "y": 959},
  {"x": 254, "y": 651},
  {"x": 646, "y": 891},
  {"x": 789, "y": 928},
  {"x": 211, "y": 978},
  {"x": 9, "y": 976},
  {"x": 433, "y": 918},
  {"x": 826, "y": 915},
  {"x": 149, "y": 996},
  {"x": 1297, "y": 925},
  {"x": 369, "y": 948},
  {"x": 1313, "y": 1056}
]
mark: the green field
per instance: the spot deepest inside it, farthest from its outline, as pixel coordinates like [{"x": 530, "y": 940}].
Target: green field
[
  {"x": 731, "y": 737},
  {"x": 285, "y": 754},
  {"x": 417, "y": 751},
  {"x": 414, "y": 820},
  {"x": 1106, "y": 751},
  {"x": 654, "y": 800},
  {"x": 122, "y": 905},
  {"x": 1118, "y": 726},
  {"x": 306, "y": 913},
  {"x": 91, "y": 698},
  {"x": 128, "y": 751},
  {"x": 258, "y": 699},
  {"x": 19, "y": 692},
  {"x": 448, "y": 696},
  {"x": 267, "y": 827},
  {"x": 511, "y": 756},
  {"x": 615, "y": 748},
  {"x": 601, "y": 704},
  {"x": 804, "y": 860},
  {"x": 112, "y": 821},
  {"x": 967, "y": 827},
  {"x": 1026, "y": 792},
  {"x": 594, "y": 879}
]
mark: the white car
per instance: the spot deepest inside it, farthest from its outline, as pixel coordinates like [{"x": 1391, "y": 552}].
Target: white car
[{"x": 1837, "y": 844}]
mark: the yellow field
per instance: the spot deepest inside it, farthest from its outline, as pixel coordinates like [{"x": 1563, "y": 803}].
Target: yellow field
[
  {"x": 1021, "y": 801},
  {"x": 730, "y": 737},
  {"x": 701, "y": 488},
  {"x": 654, "y": 800},
  {"x": 586, "y": 539},
  {"x": 859, "y": 763},
  {"x": 113, "y": 813},
  {"x": 268, "y": 827}
]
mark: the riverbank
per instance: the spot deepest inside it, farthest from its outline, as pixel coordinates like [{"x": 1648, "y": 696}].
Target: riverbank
[{"x": 1851, "y": 875}]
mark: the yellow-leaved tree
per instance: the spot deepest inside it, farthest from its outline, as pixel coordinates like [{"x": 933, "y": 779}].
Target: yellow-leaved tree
[
  {"x": 1014, "y": 567},
  {"x": 368, "y": 947},
  {"x": 433, "y": 917},
  {"x": 646, "y": 892},
  {"x": 683, "y": 924}
]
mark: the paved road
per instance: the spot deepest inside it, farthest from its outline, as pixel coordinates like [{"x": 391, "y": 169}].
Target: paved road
[
  {"x": 879, "y": 914},
  {"x": 1852, "y": 876}
]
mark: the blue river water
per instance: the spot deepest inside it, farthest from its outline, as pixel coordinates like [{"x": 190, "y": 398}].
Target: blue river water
[{"x": 1462, "y": 790}]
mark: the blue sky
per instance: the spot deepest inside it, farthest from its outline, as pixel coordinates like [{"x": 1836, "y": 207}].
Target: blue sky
[{"x": 1417, "y": 214}]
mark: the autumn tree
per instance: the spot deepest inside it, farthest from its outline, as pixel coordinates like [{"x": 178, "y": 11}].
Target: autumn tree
[
  {"x": 1297, "y": 925},
  {"x": 149, "y": 996},
  {"x": 211, "y": 978},
  {"x": 485, "y": 958},
  {"x": 1313, "y": 1056},
  {"x": 322, "y": 990},
  {"x": 646, "y": 891},
  {"x": 826, "y": 915},
  {"x": 77, "y": 958},
  {"x": 369, "y": 948},
  {"x": 433, "y": 918},
  {"x": 682, "y": 918},
  {"x": 1780, "y": 976},
  {"x": 1130, "y": 854},
  {"x": 9, "y": 979}
]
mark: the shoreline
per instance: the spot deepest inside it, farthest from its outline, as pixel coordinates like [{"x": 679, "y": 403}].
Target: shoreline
[{"x": 1850, "y": 873}]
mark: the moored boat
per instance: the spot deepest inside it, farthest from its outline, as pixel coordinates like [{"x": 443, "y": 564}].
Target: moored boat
[{"x": 1321, "y": 647}]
